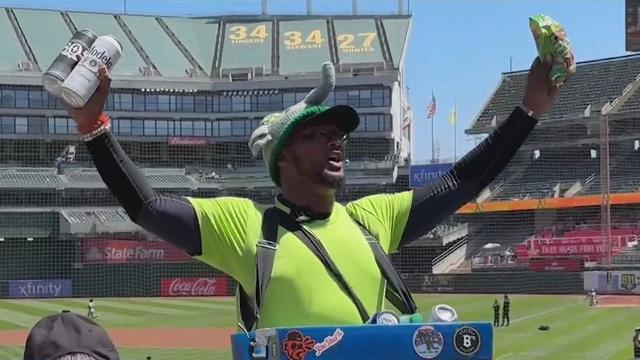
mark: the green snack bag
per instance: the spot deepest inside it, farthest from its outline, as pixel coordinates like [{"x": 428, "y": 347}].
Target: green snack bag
[{"x": 554, "y": 45}]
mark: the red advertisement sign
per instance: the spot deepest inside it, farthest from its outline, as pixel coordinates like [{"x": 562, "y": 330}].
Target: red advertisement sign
[
  {"x": 559, "y": 264},
  {"x": 216, "y": 286},
  {"x": 577, "y": 249},
  {"x": 616, "y": 240},
  {"x": 187, "y": 141},
  {"x": 126, "y": 251},
  {"x": 591, "y": 247}
]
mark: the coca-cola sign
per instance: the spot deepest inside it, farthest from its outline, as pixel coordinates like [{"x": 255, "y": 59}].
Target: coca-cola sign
[
  {"x": 216, "y": 286},
  {"x": 187, "y": 141}
]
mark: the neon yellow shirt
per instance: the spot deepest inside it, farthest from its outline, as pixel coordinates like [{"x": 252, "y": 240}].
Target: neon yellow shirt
[{"x": 301, "y": 291}]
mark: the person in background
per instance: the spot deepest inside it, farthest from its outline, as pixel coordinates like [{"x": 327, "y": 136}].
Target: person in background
[
  {"x": 496, "y": 313},
  {"x": 506, "y": 303}
]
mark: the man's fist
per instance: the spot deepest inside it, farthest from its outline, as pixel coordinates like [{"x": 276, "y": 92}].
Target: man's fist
[{"x": 539, "y": 94}]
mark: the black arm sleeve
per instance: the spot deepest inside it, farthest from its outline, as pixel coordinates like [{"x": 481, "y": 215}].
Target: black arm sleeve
[
  {"x": 170, "y": 217},
  {"x": 466, "y": 179}
]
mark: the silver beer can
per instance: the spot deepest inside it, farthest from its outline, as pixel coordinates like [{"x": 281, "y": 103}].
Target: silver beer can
[
  {"x": 83, "y": 81},
  {"x": 443, "y": 313},
  {"x": 64, "y": 63}
]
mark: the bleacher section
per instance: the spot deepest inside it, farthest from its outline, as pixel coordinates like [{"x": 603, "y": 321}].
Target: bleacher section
[
  {"x": 553, "y": 167},
  {"x": 563, "y": 153},
  {"x": 595, "y": 83}
]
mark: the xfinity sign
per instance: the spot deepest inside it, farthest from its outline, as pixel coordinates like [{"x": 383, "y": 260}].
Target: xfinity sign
[
  {"x": 421, "y": 175},
  {"x": 32, "y": 289}
]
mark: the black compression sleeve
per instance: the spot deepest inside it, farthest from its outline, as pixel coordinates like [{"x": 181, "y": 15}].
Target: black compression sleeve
[
  {"x": 170, "y": 217},
  {"x": 466, "y": 179}
]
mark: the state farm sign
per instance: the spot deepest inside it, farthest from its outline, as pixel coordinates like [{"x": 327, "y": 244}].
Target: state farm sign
[
  {"x": 216, "y": 286},
  {"x": 125, "y": 251}
]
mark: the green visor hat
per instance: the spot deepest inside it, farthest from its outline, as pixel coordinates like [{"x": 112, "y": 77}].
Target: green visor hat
[{"x": 276, "y": 129}]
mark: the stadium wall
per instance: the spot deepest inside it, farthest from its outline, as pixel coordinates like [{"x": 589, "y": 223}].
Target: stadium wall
[{"x": 497, "y": 282}]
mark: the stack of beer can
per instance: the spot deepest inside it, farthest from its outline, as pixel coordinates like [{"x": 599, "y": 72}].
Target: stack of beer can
[{"x": 73, "y": 75}]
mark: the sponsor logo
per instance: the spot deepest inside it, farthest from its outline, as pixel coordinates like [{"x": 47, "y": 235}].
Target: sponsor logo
[
  {"x": 135, "y": 253},
  {"x": 73, "y": 51},
  {"x": 194, "y": 287},
  {"x": 187, "y": 141},
  {"x": 427, "y": 342},
  {"x": 125, "y": 251},
  {"x": 103, "y": 56},
  {"x": 201, "y": 287},
  {"x": 28, "y": 289},
  {"x": 467, "y": 340},
  {"x": 296, "y": 346},
  {"x": 94, "y": 254},
  {"x": 328, "y": 342},
  {"x": 628, "y": 281}
]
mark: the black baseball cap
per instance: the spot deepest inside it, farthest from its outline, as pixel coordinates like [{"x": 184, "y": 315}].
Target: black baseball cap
[{"x": 68, "y": 333}]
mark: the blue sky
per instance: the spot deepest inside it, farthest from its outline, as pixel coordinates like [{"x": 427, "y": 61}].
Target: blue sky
[{"x": 457, "y": 49}]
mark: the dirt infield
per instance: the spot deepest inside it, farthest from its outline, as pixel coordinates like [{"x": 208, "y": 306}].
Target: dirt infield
[
  {"x": 618, "y": 301},
  {"x": 165, "y": 338}
]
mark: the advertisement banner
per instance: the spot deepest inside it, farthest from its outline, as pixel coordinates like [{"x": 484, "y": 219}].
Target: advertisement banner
[
  {"x": 126, "y": 251},
  {"x": 616, "y": 240},
  {"x": 599, "y": 248},
  {"x": 187, "y": 141},
  {"x": 614, "y": 282},
  {"x": 560, "y": 264},
  {"x": 216, "y": 286},
  {"x": 43, "y": 288},
  {"x": 420, "y": 175},
  {"x": 592, "y": 248}
]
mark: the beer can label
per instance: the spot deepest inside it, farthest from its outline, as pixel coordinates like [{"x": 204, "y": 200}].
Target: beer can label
[
  {"x": 66, "y": 60},
  {"x": 83, "y": 81}
]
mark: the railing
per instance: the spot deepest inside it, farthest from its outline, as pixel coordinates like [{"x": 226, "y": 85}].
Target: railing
[{"x": 441, "y": 263}]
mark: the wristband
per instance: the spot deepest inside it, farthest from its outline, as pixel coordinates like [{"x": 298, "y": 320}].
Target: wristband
[
  {"x": 99, "y": 127},
  {"x": 526, "y": 110}
]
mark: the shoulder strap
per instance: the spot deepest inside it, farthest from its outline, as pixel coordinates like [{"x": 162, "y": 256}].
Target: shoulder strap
[
  {"x": 265, "y": 254},
  {"x": 397, "y": 292}
]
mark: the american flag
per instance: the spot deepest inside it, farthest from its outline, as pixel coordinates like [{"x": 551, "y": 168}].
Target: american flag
[{"x": 431, "y": 108}]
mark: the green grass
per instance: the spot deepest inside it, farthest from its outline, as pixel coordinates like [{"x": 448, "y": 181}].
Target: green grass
[{"x": 577, "y": 331}]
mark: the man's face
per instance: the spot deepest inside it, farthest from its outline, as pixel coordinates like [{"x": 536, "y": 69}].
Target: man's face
[{"x": 315, "y": 153}]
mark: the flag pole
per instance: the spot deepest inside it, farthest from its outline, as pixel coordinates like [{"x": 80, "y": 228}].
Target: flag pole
[
  {"x": 433, "y": 151},
  {"x": 455, "y": 125}
]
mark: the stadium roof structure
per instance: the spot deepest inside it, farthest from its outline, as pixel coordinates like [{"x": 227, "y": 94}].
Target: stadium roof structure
[
  {"x": 195, "y": 53},
  {"x": 358, "y": 172},
  {"x": 595, "y": 83}
]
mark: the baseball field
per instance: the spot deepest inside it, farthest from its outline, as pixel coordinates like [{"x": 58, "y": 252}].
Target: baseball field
[{"x": 199, "y": 328}]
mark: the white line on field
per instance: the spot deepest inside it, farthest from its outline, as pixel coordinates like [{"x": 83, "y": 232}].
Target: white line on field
[
  {"x": 504, "y": 356},
  {"x": 545, "y": 312}
]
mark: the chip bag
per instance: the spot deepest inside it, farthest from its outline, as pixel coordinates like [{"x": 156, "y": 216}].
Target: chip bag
[{"x": 554, "y": 45}]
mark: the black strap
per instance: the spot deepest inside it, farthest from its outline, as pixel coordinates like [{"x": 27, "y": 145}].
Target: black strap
[
  {"x": 265, "y": 255},
  {"x": 397, "y": 292}
]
